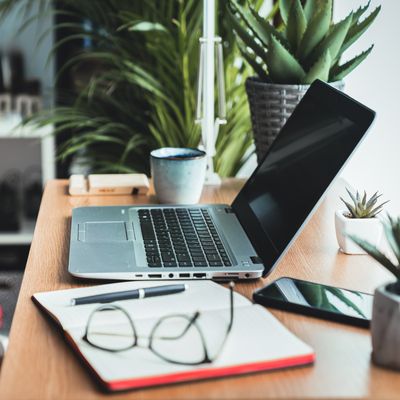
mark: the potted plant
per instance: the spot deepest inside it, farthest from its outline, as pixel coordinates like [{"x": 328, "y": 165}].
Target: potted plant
[
  {"x": 385, "y": 324},
  {"x": 307, "y": 45},
  {"x": 359, "y": 219}
]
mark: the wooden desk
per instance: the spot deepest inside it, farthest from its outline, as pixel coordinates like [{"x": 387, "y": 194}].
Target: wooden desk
[{"x": 39, "y": 365}]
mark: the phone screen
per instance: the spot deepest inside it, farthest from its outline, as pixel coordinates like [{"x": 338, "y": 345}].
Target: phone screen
[{"x": 321, "y": 297}]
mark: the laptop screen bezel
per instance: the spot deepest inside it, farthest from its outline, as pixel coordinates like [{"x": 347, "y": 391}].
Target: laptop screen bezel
[{"x": 327, "y": 97}]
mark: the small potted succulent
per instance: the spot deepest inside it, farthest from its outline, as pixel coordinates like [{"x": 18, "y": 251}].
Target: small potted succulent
[
  {"x": 307, "y": 45},
  {"x": 385, "y": 323},
  {"x": 360, "y": 219}
]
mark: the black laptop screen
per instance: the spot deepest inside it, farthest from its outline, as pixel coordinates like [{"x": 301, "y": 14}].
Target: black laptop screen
[{"x": 306, "y": 156}]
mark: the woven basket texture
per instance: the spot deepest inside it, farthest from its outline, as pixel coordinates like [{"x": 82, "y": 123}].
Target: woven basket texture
[{"x": 270, "y": 107}]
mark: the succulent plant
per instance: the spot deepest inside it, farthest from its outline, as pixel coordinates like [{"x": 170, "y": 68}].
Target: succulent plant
[
  {"x": 363, "y": 207},
  {"x": 392, "y": 233},
  {"x": 307, "y": 45}
]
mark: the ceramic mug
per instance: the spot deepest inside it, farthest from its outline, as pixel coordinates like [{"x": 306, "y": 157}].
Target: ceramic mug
[{"x": 178, "y": 174}]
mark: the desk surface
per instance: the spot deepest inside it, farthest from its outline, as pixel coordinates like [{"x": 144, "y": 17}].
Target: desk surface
[{"x": 39, "y": 364}]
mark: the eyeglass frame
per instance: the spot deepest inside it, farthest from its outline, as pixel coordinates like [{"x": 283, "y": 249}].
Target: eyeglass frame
[{"x": 192, "y": 322}]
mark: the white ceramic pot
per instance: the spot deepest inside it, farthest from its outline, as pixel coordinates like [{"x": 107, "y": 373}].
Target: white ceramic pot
[
  {"x": 385, "y": 328},
  {"x": 369, "y": 229}
]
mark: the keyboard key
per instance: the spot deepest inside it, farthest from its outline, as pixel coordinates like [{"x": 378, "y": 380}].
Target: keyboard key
[
  {"x": 213, "y": 257},
  {"x": 153, "y": 265},
  {"x": 215, "y": 264},
  {"x": 147, "y": 230},
  {"x": 170, "y": 264},
  {"x": 185, "y": 264}
]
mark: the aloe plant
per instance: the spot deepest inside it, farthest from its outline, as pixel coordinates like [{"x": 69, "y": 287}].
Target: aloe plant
[
  {"x": 363, "y": 206},
  {"x": 307, "y": 45},
  {"x": 392, "y": 233}
]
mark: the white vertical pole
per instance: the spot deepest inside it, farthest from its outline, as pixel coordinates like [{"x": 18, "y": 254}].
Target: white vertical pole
[{"x": 207, "y": 128}]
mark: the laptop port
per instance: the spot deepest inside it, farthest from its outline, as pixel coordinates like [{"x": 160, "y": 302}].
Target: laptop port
[
  {"x": 139, "y": 276},
  {"x": 184, "y": 275},
  {"x": 199, "y": 275},
  {"x": 159, "y": 276}
]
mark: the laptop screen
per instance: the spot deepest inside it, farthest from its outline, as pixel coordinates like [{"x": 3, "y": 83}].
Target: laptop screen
[{"x": 304, "y": 159}]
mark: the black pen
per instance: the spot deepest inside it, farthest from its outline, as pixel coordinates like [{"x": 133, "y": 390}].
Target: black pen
[{"x": 130, "y": 294}]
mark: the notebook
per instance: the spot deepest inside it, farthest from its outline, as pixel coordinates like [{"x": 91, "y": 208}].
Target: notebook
[{"x": 257, "y": 341}]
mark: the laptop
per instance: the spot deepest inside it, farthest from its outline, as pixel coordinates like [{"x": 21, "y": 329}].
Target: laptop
[{"x": 244, "y": 240}]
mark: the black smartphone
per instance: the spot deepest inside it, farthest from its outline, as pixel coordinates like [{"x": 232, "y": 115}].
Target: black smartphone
[{"x": 314, "y": 299}]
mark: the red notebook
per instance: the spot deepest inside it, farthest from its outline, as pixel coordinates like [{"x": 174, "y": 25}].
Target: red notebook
[{"x": 257, "y": 341}]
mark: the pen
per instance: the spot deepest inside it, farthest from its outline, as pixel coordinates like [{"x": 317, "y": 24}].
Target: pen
[{"x": 130, "y": 294}]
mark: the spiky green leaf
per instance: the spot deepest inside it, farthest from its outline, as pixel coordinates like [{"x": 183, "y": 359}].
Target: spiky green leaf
[
  {"x": 351, "y": 208},
  {"x": 296, "y": 25},
  {"x": 377, "y": 255},
  {"x": 341, "y": 71},
  {"x": 359, "y": 12},
  {"x": 364, "y": 200},
  {"x": 372, "y": 201},
  {"x": 251, "y": 22},
  {"x": 246, "y": 37},
  {"x": 316, "y": 30},
  {"x": 320, "y": 70},
  {"x": 282, "y": 66},
  {"x": 357, "y": 30},
  {"x": 353, "y": 198},
  {"x": 268, "y": 29},
  {"x": 251, "y": 59},
  {"x": 333, "y": 41},
  {"x": 311, "y": 7},
  {"x": 284, "y": 8}
]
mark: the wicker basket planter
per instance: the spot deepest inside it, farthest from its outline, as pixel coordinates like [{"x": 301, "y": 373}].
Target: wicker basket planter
[{"x": 270, "y": 106}]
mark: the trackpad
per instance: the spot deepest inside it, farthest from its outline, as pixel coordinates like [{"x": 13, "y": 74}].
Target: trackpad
[{"x": 104, "y": 231}]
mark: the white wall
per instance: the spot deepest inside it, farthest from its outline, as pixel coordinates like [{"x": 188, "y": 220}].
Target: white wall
[
  {"x": 35, "y": 55},
  {"x": 376, "y": 83}
]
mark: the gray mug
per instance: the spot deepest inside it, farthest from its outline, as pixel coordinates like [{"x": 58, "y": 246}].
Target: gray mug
[{"x": 178, "y": 174}]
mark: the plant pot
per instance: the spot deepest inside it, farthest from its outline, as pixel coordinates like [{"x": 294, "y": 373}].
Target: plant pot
[
  {"x": 385, "y": 328},
  {"x": 270, "y": 106},
  {"x": 369, "y": 229}
]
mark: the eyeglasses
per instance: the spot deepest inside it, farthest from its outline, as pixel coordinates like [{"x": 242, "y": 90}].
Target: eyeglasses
[{"x": 176, "y": 338}]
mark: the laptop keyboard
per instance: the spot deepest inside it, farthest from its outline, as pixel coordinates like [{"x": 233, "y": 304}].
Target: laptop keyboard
[{"x": 184, "y": 237}]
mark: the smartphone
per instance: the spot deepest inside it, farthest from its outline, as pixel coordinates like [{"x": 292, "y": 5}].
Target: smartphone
[{"x": 314, "y": 299}]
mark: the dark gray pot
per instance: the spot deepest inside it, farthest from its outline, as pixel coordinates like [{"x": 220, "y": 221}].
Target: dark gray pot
[
  {"x": 385, "y": 328},
  {"x": 270, "y": 106}
]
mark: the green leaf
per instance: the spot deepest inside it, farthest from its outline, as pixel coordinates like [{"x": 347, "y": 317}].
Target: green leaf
[
  {"x": 341, "y": 71},
  {"x": 284, "y": 8},
  {"x": 376, "y": 255},
  {"x": 282, "y": 66},
  {"x": 316, "y": 31},
  {"x": 353, "y": 198},
  {"x": 357, "y": 30},
  {"x": 333, "y": 41},
  {"x": 311, "y": 7},
  {"x": 320, "y": 70},
  {"x": 372, "y": 201},
  {"x": 269, "y": 29},
  {"x": 364, "y": 200},
  {"x": 251, "y": 59},
  {"x": 246, "y": 37},
  {"x": 359, "y": 12},
  {"x": 296, "y": 25},
  {"x": 351, "y": 209},
  {"x": 252, "y": 23}
]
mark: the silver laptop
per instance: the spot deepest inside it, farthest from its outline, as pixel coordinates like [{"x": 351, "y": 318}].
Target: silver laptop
[{"x": 244, "y": 240}]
